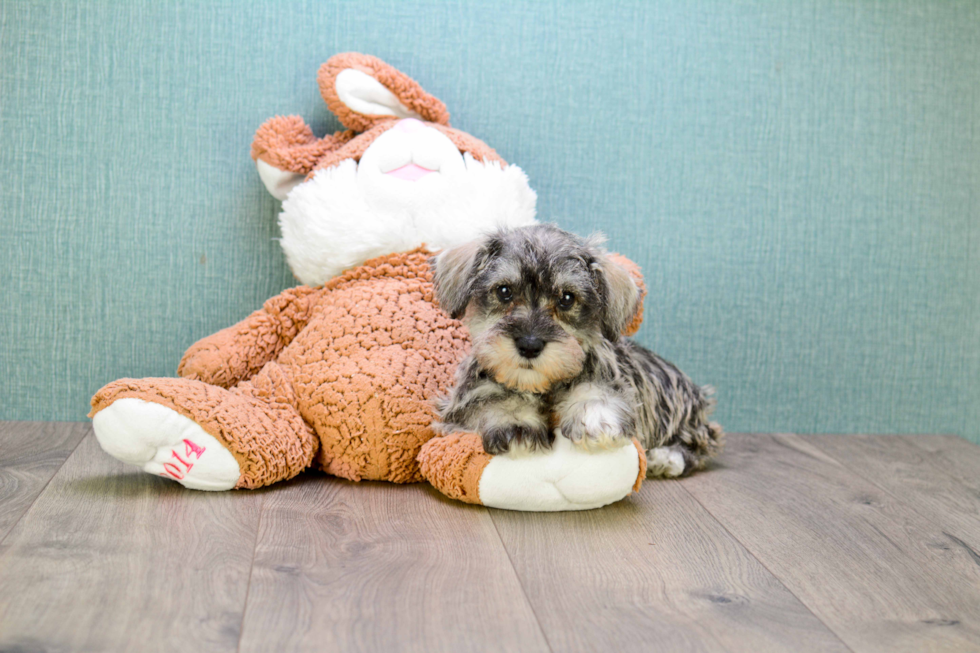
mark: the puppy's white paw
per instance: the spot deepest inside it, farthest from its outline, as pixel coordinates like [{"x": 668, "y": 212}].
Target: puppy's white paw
[
  {"x": 596, "y": 426},
  {"x": 593, "y": 416},
  {"x": 163, "y": 442},
  {"x": 665, "y": 461}
]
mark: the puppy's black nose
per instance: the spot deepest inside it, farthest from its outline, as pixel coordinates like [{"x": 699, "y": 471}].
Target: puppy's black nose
[{"x": 530, "y": 346}]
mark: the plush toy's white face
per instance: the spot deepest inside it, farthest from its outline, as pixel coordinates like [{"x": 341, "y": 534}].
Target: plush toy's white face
[
  {"x": 412, "y": 186},
  {"x": 413, "y": 167},
  {"x": 411, "y": 151}
]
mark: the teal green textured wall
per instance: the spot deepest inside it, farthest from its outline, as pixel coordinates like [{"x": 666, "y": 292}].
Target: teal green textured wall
[{"x": 800, "y": 181}]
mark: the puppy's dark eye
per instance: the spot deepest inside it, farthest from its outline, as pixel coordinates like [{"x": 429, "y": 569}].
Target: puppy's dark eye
[
  {"x": 566, "y": 300},
  {"x": 504, "y": 293}
]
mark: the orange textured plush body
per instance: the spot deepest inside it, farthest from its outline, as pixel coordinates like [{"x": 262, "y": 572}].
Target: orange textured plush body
[
  {"x": 341, "y": 373},
  {"x": 340, "y": 377}
]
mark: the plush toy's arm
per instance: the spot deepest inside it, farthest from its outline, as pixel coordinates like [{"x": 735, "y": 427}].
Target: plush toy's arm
[
  {"x": 288, "y": 144},
  {"x": 637, "y": 275},
  {"x": 237, "y": 353},
  {"x": 453, "y": 464},
  {"x": 562, "y": 478}
]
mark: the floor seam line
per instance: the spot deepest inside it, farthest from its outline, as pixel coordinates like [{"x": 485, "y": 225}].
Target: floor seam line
[
  {"x": 46, "y": 484},
  {"x": 520, "y": 583},
  {"x": 248, "y": 586},
  {"x": 766, "y": 567}
]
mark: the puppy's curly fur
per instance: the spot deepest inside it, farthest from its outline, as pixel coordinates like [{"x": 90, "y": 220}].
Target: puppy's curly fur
[{"x": 545, "y": 309}]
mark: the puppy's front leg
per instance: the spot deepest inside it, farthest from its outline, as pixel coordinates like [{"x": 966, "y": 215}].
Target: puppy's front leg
[
  {"x": 501, "y": 416},
  {"x": 510, "y": 419},
  {"x": 517, "y": 420},
  {"x": 596, "y": 416}
]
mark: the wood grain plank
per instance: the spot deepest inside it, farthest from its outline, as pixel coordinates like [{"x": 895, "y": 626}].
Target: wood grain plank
[
  {"x": 30, "y": 454},
  {"x": 112, "y": 559},
  {"x": 880, "y": 575},
  {"x": 653, "y": 572},
  {"x": 957, "y": 457},
  {"x": 381, "y": 567},
  {"x": 914, "y": 477}
]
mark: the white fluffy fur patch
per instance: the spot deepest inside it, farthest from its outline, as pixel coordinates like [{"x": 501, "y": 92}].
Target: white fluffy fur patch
[
  {"x": 592, "y": 417},
  {"x": 344, "y": 215},
  {"x": 665, "y": 461}
]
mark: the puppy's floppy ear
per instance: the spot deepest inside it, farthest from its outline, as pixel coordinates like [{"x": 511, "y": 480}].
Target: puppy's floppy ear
[
  {"x": 634, "y": 271},
  {"x": 363, "y": 90},
  {"x": 453, "y": 272},
  {"x": 622, "y": 295}
]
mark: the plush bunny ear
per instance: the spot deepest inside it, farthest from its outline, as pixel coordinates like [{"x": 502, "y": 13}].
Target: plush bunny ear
[
  {"x": 363, "y": 90},
  {"x": 285, "y": 151},
  {"x": 277, "y": 182}
]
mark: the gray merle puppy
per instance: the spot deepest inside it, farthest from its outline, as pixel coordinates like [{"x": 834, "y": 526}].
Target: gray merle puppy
[{"x": 545, "y": 310}]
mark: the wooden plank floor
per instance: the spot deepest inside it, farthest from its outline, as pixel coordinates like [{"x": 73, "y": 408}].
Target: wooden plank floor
[{"x": 802, "y": 543}]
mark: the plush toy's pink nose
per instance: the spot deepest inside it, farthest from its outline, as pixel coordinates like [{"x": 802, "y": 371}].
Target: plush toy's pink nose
[{"x": 409, "y": 125}]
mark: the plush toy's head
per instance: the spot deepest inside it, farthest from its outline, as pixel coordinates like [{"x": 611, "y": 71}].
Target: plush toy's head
[{"x": 397, "y": 178}]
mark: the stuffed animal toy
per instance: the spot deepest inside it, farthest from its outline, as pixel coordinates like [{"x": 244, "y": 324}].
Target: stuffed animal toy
[{"x": 341, "y": 373}]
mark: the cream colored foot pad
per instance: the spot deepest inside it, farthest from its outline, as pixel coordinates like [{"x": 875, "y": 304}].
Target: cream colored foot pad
[{"x": 163, "y": 442}]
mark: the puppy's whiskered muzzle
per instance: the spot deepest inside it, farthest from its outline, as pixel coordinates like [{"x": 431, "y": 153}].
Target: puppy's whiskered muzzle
[
  {"x": 557, "y": 360},
  {"x": 530, "y": 347}
]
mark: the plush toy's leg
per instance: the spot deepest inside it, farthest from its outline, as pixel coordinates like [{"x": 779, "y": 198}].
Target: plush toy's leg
[{"x": 203, "y": 436}]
